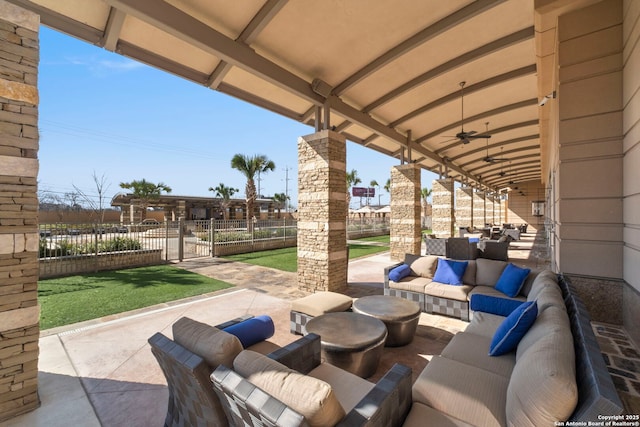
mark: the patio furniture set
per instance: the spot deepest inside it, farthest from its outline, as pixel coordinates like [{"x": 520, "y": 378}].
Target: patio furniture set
[
  {"x": 469, "y": 247},
  {"x": 527, "y": 357}
]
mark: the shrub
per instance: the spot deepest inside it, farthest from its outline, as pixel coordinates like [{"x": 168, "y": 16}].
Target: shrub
[{"x": 119, "y": 244}]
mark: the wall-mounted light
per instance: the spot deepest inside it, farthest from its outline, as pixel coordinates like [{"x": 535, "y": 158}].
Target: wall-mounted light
[{"x": 546, "y": 98}]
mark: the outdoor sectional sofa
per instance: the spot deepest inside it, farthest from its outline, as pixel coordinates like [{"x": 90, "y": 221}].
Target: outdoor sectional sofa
[
  {"x": 551, "y": 371},
  {"x": 480, "y": 277}
]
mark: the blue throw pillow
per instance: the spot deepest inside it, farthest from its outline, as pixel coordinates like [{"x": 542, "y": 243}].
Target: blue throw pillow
[
  {"x": 399, "y": 272},
  {"x": 253, "y": 330},
  {"x": 450, "y": 272},
  {"x": 513, "y": 328},
  {"x": 512, "y": 279},
  {"x": 493, "y": 305}
]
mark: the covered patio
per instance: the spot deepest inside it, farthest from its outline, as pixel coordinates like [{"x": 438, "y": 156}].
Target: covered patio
[
  {"x": 526, "y": 109},
  {"x": 122, "y": 384}
]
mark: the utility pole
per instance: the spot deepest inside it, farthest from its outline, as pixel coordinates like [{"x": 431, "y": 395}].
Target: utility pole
[{"x": 286, "y": 187}]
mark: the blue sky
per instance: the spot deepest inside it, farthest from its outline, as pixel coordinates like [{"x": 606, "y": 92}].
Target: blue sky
[{"x": 103, "y": 113}]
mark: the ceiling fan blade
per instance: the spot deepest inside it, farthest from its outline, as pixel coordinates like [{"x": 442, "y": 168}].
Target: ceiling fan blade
[
  {"x": 482, "y": 135},
  {"x": 451, "y": 139}
]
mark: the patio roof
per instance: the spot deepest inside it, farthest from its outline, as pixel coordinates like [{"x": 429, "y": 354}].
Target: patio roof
[{"x": 389, "y": 73}]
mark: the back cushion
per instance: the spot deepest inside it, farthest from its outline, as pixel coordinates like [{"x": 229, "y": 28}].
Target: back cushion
[
  {"x": 469, "y": 277},
  {"x": 488, "y": 271},
  {"x": 542, "y": 279},
  {"x": 314, "y": 399},
  {"x": 216, "y": 347},
  {"x": 549, "y": 295},
  {"x": 542, "y": 388},
  {"x": 552, "y": 320},
  {"x": 422, "y": 266}
]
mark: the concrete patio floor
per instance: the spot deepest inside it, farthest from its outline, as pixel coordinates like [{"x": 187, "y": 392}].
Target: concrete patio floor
[{"x": 102, "y": 373}]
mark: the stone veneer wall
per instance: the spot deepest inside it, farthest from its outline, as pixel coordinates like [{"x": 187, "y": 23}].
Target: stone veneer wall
[
  {"x": 19, "y": 310},
  {"x": 405, "y": 211},
  {"x": 322, "y": 212},
  {"x": 479, "y": 209},
  {"x": 464, "y": 207},
  {"x": 443, "y": 211}
]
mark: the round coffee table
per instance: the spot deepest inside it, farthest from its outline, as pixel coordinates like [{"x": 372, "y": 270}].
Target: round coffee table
[
  {"x": 350, "y": 341},
  {"x": 399, "y": 315}
]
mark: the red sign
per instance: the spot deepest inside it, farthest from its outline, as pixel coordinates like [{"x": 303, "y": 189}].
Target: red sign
[{"x": 363, "y": 192}]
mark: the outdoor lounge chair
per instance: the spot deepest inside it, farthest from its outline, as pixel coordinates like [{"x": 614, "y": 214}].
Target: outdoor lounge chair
[{"x": 366, "y": 404}]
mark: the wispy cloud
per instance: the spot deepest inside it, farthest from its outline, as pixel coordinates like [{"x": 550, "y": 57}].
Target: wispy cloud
[{"x": 105, "y": 67}]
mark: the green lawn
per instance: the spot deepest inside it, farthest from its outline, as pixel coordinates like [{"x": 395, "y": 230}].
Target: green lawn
[
  {"x": 77, "y": 298},
  {"x": 287, "y": 259}
]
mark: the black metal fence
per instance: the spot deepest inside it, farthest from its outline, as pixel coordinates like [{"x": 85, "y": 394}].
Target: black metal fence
[{"x": 71, "y": 248}]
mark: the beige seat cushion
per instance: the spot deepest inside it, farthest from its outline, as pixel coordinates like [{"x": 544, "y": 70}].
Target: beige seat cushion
[
  {"x": 410, "y": 283},
  {"x": 467, "y": 393},
  {"x": 216, "y": 347},
  {"x": 422, "y": 415},
  {"x": 422, "y": 266},
  {"x": 322, "y": 303},
  {"x": 312, "y": 398},
  {"x": 488, "y": 271},
  {"x": 484, "y": 324},
  {"x": 350, "y": 389},
  {"x": 473, "y": 350},
  {"x": 443, "y": 290}
]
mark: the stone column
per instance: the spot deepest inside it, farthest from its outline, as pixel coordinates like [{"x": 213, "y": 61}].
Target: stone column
[
  {"x": 322, "y": 212},
  {"x": 443, "y": 214},
  {"x": 464, "y": 207},
  {"x": 19, "y": 310},
  {"x": 489, "y": 208},
  {"x": 405, "y": 223},
  {"x": 479, "y": 211}
]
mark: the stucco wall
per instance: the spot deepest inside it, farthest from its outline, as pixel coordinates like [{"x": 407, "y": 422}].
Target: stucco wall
[{"x": 631, "y": 166}]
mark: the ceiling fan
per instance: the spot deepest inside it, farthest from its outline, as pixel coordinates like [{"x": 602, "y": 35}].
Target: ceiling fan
[
  {"x": 491, "y": 159},
  {"x": 466, "y": 137}
]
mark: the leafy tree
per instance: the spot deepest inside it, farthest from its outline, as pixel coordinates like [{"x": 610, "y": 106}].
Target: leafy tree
[
  {"x": 281, "y": 200},
  {"x": 352, "y": 179},
  {"x": 250, "y": 166},
  {"x": 374, "y": 183},
  {"x": 145, "y": 192},
  {"x": 424, "y": 195},
  {"x": 225, "y": 193},
  {"x": 387, "y": 188}
]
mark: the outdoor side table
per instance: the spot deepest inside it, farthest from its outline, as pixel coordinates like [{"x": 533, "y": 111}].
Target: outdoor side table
[
  {"x": 399, "y": 315},
  {"x": 351, "y": 341}
]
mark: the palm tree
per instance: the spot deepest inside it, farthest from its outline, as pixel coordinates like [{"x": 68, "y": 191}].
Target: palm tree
[
  {"x": 225, "y": 193},
  {"x": 374, "y": 183},
  {"x": 145, "y": 192},
  {"x": 249, "y": 166},
  {"x": 387, "y": 188},
  {"x": 352, "y": 179},
  {"x": 281, "y": 200},
  {"x": 424, "y": 194}
]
